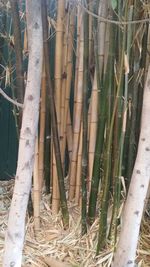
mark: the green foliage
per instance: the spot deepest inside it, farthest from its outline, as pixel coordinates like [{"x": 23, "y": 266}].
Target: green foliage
[{"x": 114, "y": 4}]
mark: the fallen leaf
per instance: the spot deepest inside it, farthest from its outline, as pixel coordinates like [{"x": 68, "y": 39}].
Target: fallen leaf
[{"x": 51, "y": 262}]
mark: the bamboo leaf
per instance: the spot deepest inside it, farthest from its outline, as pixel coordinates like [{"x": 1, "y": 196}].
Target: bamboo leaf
[{"x": 114, "y": 4}]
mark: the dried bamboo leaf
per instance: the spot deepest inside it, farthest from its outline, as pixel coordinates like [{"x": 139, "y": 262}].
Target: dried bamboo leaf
[{"x": 55, "y": 263}]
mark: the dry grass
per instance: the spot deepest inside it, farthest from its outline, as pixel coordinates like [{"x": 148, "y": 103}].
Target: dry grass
[{"x": 66, "y": 246}]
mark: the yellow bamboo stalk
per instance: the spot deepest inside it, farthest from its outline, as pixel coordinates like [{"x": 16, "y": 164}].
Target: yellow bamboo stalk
[
  {"x": 42, "y": 128},
  {"x": 148, "y": 55},
  {"x": 77, "y": 121},
  {"x": 55, "y": 188},
  {"x": 90, "y": 34},
  {"x": 25, "y": 43},
  {"x": 70, "y": 42},
  {"x": 63, "y": 90},
  {"x": 79, "y": 22},
  {"x": 78, "y": 174},
  {"x": 59, "y": 56},
  {"x": 36, "y": 189},
  {"x": 58, "y": 81},
  {"x": 93, "y": 127},
  {"x": 103, "y": 10}
]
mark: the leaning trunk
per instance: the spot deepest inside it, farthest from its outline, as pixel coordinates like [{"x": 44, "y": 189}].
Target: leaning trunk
[{"x": 16, "y": 222}]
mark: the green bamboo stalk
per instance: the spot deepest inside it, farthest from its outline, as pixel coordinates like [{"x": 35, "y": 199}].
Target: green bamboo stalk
[
  {"x": 63, "y": 200},
  {"x": 84, "y": 166},
  {"x": 100, "y": 130},
  {"x": 135, "y": 101},
  {"x": 141, "y": 85},
  {"x": 120, "y": 137},
  {"x": 107, "y": 157}
]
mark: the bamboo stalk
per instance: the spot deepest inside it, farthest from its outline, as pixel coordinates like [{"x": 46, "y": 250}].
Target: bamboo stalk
[
  {"x": 132, "y": 150},
  {"x": 100, "y": 128},
  {"x": 42, "y": 128},
  {"x": 90, "y": 35},
  {"x": 15, "y": 234},
  {"x": 69, "y": 135},
  {"x": 93, "y": 127},
  {"x": 63, "y": 200},
  {"x": 103, "y": 11},
  {"x": 58, "y": 56},
  {"x": 63, "y": 89},
  {"x": 84, "y": 162},
  {"x": 55, "y": 187},
  {"x": 47, "y": 150},
  {"x": 36, "y": 190},
  {"x": 76, "y": 120},
  {"x": 89, "y": 115},
  {"x": 25, "y": 42},
  {"x": 78, "y": 172},
  {"x": 79, "y": 23},
  {"x": 107, "y": 158},
  {"x": 69, "y": 76},
  {"x": 57, "y": 85},
  {"x": 121, "y": 139}
]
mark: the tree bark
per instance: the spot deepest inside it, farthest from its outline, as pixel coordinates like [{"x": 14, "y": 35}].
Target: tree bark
[
  {"x": 126, "y": 250},
  {"x": 16, "y": 223}
]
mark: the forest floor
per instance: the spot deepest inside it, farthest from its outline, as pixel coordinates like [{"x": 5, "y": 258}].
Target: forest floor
[{"x": 53, "y": 246}]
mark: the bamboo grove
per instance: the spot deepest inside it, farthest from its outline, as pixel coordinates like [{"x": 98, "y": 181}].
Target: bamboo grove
[{"x": 96, "y": 56}]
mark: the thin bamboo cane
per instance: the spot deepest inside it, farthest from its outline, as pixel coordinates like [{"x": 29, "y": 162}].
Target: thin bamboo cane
[
  {"x": 55, "y": 188},
  {"x": 84, "y": 161},
  {"x": 79, "y": 22},
  {"x": 77, "y": 120},
  {"x": 107, "y": 158},
  {"x": 89, "y": 115},
  {"x": 58, "y": 56},
  {"x": 36, "y": 189},
  {"x": 78, "y": 173},
  {"x": 135, "y": 107},
  {"x": 90, "y": 34},
  {"x": 42, "y": 128},
  {"x": 148, "y": 55},
  {"x": 102, "y": 91},
  {"x": 103, "y": 11},
  {"x": 64, "y": 78},
  {"x": 58, "y": 83},
  {"x": 47, "y": 148},
  {"x": 69, "y": 135},
  {"x": 60, "y": 179},
  {"x": 106, "y": 45},
  {"x": 93, "y": 127},
  {"x": 69, "y": 76},
  {"x": 121, "y": 138},
  {"x": 25, "y": 42}
]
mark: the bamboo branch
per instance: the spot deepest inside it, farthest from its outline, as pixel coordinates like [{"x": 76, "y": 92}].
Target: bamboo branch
[
  {"x": 10, "y": 99},
  {"x": 114, "y": 21}
]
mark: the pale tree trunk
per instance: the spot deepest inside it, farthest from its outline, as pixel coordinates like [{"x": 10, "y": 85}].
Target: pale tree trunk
[
  {"x": 126, "y": 250},
  {"x": 16, "y": 222}
]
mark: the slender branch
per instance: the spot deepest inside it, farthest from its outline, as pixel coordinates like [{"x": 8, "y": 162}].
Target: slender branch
[
  {"x": 10, "y": 99},
  {"x": 114, "y": 21}
]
